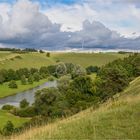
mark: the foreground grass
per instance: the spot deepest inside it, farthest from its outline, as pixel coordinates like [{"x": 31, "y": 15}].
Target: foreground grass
[
  {"x": 17, "y": 121},
  {"x": 117, "y": 119},
  {"x": 6, "y": 91},
  {"x": 9, "y": 60}
]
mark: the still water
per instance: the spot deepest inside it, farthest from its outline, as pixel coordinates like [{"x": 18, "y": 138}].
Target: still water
[{"x": 28, "y": 95}]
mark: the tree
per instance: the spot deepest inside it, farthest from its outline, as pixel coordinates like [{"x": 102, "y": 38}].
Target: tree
[
  {"x": 83, "y": 84},
  {"x": 48, "y": 54},
  {"x": 24, "y": 103},
  {"x": 12, "y": 84},
  {"x": 113, "y": 80},
  {"x": 11, "y": 75},
  {"x": 41, "y": 51},
  {"x": 61, "y": 69},
  {"x": 33, "y": 70},
  {"x": 36, "y": 77},
  {"x": 23, "y": 80},
  {"x": 2, "y": 79},
  {"x": 78, "y": 71},
  {"x": 92, "y": 69},
  {"x": 30, "y": 79},
  {"x": 8, "y": 129},
  {"x": 44, "y": 101}
]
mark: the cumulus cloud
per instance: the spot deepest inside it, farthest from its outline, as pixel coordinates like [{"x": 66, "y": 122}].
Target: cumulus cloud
[{"x": 24, "y": 25}]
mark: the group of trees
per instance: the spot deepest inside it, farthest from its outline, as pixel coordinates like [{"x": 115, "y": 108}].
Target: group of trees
[
  {"x": 30, "y": 75},
  {"x": 78, "y": 91},
  {"x": 115, "y": 76}
]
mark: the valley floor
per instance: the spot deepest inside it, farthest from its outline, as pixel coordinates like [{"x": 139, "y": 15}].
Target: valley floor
[{"x": 118, "y": 119}]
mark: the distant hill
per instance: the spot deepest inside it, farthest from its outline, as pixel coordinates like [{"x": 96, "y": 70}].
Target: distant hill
[{"x": 15, "y": 61}]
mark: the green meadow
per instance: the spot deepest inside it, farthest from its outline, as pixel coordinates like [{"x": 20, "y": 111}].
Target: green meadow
[
  {"x": 36, "y": 60},
  {"x": 6, "y": 91},
  {"x": 17, "y": 121}
]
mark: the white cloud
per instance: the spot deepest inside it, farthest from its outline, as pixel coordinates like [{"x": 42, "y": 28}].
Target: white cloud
[
  {"x": 25, "y": 25},
  {"x": 123, "y": 18}
]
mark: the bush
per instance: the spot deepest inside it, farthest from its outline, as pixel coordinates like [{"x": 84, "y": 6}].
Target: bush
[
  {"x": 51, "y": 78},
  {"x": 30, "y": 79},
  {"x": 24, "y": 103},
  {"x": 18, "y": 57},
  {"x": 8, "y": 129},
  {"x": 92, "y": 69},
  {"x": 48, "y": 54},
  {"x": 7, "y": 107},
  {"x": 36, "y": 77},
  {"x": 23, "y": 80},
  {"x": 12, "y": 84},
  {"x": 25, "y": 112}
]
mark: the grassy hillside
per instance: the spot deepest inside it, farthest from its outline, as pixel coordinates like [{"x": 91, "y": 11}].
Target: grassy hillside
[
  {"x": 27, "y": 60},
  {"x": 118, "y": 119},
  {"x": 12, "y": 60},
  {"x": 86, "y": 59}
]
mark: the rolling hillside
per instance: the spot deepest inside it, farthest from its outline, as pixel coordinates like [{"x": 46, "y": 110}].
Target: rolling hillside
[
  {"x": 15, "y": 61},
  {"x": 118, "y": 119}
]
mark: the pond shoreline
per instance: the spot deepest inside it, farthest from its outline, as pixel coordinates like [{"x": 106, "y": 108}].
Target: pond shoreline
[
  {"x": 14, "y": 93},
  {"x": 15, "y": 99}
]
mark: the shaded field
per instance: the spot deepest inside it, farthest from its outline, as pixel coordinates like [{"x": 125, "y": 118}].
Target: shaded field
[
  {"x": 36, "y": 60},
  {"x": 118, "y": 119},
  {"x": 6, "y": 91}
]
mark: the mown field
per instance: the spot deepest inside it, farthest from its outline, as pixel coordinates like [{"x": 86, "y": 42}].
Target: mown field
[
  {"x": 11, "y": 60},
  {"x": 118, "y": 119},
  {"x": 6, "y": 91}
]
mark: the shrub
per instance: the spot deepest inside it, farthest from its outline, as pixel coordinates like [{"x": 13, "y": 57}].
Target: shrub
[
  {"x": 30, "y": 79},
  {"x": 12, "y": 84},
  {"x": 25, "y": 112},
  {"x": 92, "y": 69},
  {"x": 48, "y": 54},
  {"x": 7, "y": 107},
  {"x": 8, "y": 129},
  {"x": 36, "y": 77},
  {"x": 24, "y": 103},
  {"x": 23, "y": 80},
  {"x": 18, "y": 57},
  {"x": 51, "y": 78}
]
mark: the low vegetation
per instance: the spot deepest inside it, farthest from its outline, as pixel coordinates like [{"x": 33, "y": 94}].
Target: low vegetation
[
  {"x": 115, "y": 119},
  {"x": 78, "y": 88}
]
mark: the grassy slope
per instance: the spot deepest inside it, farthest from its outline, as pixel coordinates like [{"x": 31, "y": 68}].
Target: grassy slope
[
  {"x": 17, "y": 121},
  {"x": 37, "y": 60},
  {"x": 28, "y": 60},
  {"x": 6, "y": 91},
  {"x": 86, "y": 59},
  {"x": 117, "y": 119}
]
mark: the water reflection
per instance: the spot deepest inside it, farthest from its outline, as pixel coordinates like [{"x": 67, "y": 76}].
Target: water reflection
[{"x": 28, "y": 95}]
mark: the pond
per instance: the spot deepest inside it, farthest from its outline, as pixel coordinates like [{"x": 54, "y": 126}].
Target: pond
[{"x": 28, "y": 95}]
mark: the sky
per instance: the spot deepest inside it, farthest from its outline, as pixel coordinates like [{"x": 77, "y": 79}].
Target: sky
[{"x": 70, "y": 24}]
